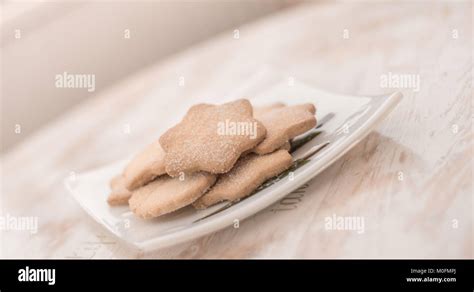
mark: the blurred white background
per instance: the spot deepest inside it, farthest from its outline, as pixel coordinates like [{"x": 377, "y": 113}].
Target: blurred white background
[{"x": 42, "y": 39}]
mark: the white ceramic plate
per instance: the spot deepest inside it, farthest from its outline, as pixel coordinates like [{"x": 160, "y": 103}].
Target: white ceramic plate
[{"x": 343, "y": 121}]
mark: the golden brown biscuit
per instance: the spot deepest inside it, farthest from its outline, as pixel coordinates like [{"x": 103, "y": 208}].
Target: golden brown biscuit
[
  {"x": 145, "y": 166},
  {"x": 167, "y": 194},
  {"x": 284, "y": 123},
  {"x": 115, "y": 181},
  {"x": 260, "y": 110},
  {"x": 286, "y": 146},
  {"x": 211, "y": 138},
  {"x": 246, "y": 176},
  {"x": 119, "y": 194}
]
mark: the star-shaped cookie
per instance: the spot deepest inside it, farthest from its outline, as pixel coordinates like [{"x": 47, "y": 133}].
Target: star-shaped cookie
[
  {"x": 283, "y": 123},
  {"x": 211, "y": 138}
]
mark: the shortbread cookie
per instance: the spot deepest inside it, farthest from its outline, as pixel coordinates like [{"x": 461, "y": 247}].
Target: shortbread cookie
[
  {"x": 211, "y": 138},
  {"x": 260, "y": 110},
  {"x": 167, "y": 194},
  {"x": 286, "y": 146},
  {"x": 246, "y": 176},
  {"x": 145, "y": 166},
  {"x": 116, "y": 181},
  {"x": 284, "y": 123},
  {"x": 119, "y": 194}
]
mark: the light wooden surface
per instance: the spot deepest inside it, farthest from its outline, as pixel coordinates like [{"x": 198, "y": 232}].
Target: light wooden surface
[{"x": 411, "y": 179}]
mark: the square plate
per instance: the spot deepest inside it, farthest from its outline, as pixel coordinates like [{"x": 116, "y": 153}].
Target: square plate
[{"x": 343, "y": 121}]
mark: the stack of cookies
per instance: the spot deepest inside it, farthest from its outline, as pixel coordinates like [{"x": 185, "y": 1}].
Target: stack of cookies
[{"x": 216, "y": 153}]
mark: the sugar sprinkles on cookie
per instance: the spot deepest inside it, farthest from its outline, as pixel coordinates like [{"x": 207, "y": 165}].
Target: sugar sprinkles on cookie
[{"x": 215, "y": 153}]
